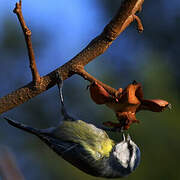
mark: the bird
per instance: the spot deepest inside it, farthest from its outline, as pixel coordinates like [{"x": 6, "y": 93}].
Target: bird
[{"x": 87, "y": 146}]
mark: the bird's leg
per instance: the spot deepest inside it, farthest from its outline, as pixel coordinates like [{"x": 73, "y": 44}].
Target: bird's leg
[{"x": 63, "y": 109}]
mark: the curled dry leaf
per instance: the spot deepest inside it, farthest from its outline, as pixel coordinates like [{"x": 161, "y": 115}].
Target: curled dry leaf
[
  {"x": 99, "y": 95},
  {"x": 125, "y": 103}
]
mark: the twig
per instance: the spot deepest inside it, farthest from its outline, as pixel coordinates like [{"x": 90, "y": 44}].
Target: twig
[
  {"x": 27, "y": 35},
  {"x": 139, "y": 23},
  {"x": 90, "y": 78},
  {"x": 96, "y": 47},
  {"x": 123, "y": 18}
]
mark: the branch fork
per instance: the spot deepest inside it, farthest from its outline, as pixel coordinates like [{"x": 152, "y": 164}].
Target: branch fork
[{"x": 124, "y": 17}]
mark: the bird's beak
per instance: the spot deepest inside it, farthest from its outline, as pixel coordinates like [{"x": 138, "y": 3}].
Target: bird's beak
[{"x": 124, "y": 137}]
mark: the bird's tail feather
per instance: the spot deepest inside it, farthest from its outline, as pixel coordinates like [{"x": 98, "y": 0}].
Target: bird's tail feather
[{"x": 23, "y": 126}]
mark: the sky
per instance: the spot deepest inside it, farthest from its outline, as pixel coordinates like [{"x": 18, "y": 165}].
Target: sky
[{"x": 81, "y": 18}]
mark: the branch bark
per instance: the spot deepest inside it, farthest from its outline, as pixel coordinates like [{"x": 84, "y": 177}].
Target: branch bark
[{"x": 124, "y": 17}]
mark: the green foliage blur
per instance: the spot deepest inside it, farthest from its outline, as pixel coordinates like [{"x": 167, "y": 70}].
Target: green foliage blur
[{"x": 151, "y": 59}]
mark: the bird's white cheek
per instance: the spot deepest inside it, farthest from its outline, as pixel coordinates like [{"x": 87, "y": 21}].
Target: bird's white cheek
[{"x": 122, "y": 155}]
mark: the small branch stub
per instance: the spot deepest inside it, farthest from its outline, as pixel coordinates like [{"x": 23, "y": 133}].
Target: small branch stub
[{"x": 139, "y": 23}]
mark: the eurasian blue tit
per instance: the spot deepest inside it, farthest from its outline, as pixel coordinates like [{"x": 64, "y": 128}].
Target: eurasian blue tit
[{"x": 87, "y": 147}]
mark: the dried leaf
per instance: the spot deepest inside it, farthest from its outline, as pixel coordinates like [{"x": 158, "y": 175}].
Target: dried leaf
[
  {"x": 155, "y": 105},
  {"x": 98, "y": 94},
  {"x": 126, "y": 103}
]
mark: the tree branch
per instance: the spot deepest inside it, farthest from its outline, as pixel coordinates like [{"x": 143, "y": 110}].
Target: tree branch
[
  {"x": 27, "y": 35},
  {"x": 96, "y": 47}
]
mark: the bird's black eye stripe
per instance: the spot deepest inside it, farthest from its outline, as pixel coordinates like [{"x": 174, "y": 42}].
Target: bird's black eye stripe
[{"x": 130, "y": 147}]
